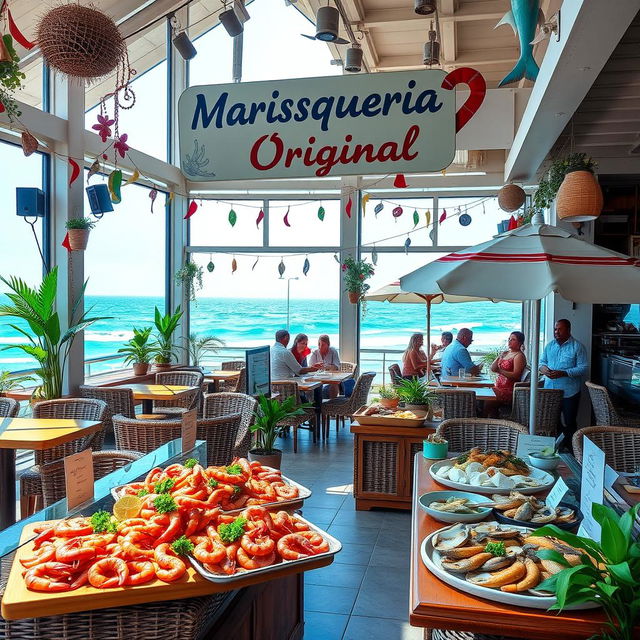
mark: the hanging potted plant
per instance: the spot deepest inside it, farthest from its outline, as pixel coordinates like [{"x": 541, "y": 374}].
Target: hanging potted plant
[
  {"x": 579, "y": 198},
  {"x": 356, "y": 273},
  {"x": 165, "y": 327},
  {"x": 78, "y": 230},
  {"x": 190, "y": 277},
  {"x": 11, "y": 77},
  {"x": 138, "y": 351}
]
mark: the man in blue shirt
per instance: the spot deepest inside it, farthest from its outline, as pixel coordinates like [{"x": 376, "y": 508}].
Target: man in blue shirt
[
  {"x": 563, "y": 365},
  {"x": 456, "y": 356}
]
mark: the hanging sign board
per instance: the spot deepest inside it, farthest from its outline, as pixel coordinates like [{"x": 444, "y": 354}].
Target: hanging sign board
[{"x": 386, "y": 123}]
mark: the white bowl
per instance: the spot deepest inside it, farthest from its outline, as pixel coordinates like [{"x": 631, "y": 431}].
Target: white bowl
[
  {"x": 544, "y": 463},
  {"x": 442, "y": 516}
]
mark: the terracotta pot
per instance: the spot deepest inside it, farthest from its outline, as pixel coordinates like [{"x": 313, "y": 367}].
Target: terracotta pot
[
  {"x": 140, "y": 368},
  {"x": 271, "y": 459},
  {"x": 389, "y": 403},
  {"x": 78, "y": 239},
  {"x": 163, "y": 366},
  {"x": 354, "y": 297},
  {"x": 579, "y": 198}
]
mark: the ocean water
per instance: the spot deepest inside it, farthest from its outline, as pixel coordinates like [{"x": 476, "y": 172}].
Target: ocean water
[{"x": 250, "y": 322}]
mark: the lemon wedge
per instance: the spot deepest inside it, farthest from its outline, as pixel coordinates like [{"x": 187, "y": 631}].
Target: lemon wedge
[{"x": 127, "y": 507}]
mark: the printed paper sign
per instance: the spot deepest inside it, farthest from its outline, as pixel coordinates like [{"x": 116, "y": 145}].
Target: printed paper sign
[
  {"x": 189, "y": 430},
  {"x": 78, "y": 477},
  {"x": 402, "y": 122},
  {"x": 532, "y": 444},
  {"x": 592, "y": 489},
  {"x": 558, "y": 491}
]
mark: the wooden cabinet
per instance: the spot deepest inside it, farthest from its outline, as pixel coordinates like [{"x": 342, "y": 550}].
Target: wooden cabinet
[{"x": 383, "y": 459}]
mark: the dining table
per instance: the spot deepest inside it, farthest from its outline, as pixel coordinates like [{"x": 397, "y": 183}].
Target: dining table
[
  {"x": 147, "y": 393},
  {"x": 467, "y": 381},
  {"x": 35, "y": 434},
  {"x": 216, "y": 376}
]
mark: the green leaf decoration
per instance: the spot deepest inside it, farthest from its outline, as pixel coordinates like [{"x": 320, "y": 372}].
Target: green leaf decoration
[
  {"x": 211, "y": 267},
  {"x": 233, "y": 217},
  {"x": 416, "y": 218},
  {"x": 115, "y": 183},
  {"x": 321, "y": 213}
]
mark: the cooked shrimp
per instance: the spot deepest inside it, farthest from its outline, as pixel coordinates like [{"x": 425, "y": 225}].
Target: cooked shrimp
[
  {"x": 295, "y": 546},
  {"x": 257, "y": 516},
  {"x": 172, "y": 531},
  {"x": 170, "y": 567},
  {"x": 248, "y": 561},
  {"x": 137, "y": 545},
  {"x": 48, "y": 576},
  {"x": 108, "y": 572},
  {"x": 74, "y": 551},
  {"x": 73, "y": 527},
  {"x": 257, "y": 542},
  {"x": 140, "y": 571},
  {"x": 210, "y": 551},
  {"x": 44, "y": 535},
  {"x": 43, "y": 554},
  {"x": 285, "y": 491},
  {"x": 319, "y": 544},
  {"x": 229, "y": 475}
]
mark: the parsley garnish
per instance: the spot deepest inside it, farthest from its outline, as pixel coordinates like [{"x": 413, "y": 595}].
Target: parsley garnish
[
  {"x": 164, "y": 486},
  {"x": 142, "y": 493},
  {"x": 101, "y": 522},
  {"x": 182, "y": 546},
  {"x": 164, "y": 503},
  {"x": 190, "y": 463},
  {"x": 213, "y": 482},
  {"x": 496, "y": 548},
  {"x": 461, "y": 459},
  {"x": 232, "y": 531},
  {"x": 234, "y": 470},
  {"x": 236, "y": 490}
]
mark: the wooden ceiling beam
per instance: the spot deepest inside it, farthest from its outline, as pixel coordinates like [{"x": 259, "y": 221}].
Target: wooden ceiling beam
[{"x": 469, "y": 58}]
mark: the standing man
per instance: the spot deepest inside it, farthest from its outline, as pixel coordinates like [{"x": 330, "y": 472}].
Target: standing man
[
  {"x": 563, "y": 365},
  {"x": 283, "y": 363},
  {"x": 456, "y": 355}
]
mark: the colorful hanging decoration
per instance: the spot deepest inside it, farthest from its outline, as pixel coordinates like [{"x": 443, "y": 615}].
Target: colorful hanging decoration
[
  {"x": 397, "y": 212},
  {"x": 193, "y": 207},
  {"x": 66, "y": 243},
  {"x": 286, "y": 218},
  {"x": 365, "y": 199},
  {"x": 255, "y": 263},
  {"x": 427, "y": 217},
  {"x": 432, "y": 235},
  {"x": 335, "y": 257},
  {"x": 93, "y": 169},
  {"x": 400, "y": 182},
  {"x": 232, "y": 217},
  {"x": 348, "y": 207},
  {"x": 416, "y": 218},
  {"x": 103, "y": 128},
  {"x": 153, "y": 194},
  {"x": 407, "y": 244},
  {"x": 171, "y": 196},
  {"x": 374, "y": 255},
  {"x": 281, "y": 267},
  {"x": 121, "y": 146},
  {"x": 321, "y": 213},
  {"x": 234, "y": 265},
  {"x": 29, "y": 143},
  {"x": 75, "y": 171},
  {"x": 210, "y": 265},
  {"x": 133, "y": 178},
  {"x": 465, "y": 219},
  {"x": 260, "y": 218},
  {"x": 115, "y": 183},
  {"x": 443, "y": 216},
  {"x": 306, "y": 266},
  {"x": 15, "y": 32},
  {"x": 378, "y": 208}
]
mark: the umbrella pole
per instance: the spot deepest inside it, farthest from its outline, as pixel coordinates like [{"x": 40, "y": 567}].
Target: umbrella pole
[
  {"x": 534, "y": 363},
  {"x": 428, "y": 349}
]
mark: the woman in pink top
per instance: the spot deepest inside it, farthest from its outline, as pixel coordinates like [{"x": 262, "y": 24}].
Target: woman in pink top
[
  {"x": 414, "y": 359},
  {"x": 509, "y": 365}
]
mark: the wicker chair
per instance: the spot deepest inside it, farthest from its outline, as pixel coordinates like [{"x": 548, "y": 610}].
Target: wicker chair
[
  {"x": 119, "y": 401},
  {"x": 9, "y": 408},
  {"x": 191, "y": 400},
  {"x": 240, "y": 385},
  {"x": 605, "y": 411},
  {"x": 348, "y": 367},
  {"x": 104, "y": 462},
  {"x": 230, "y": 385},
  {"x": 395, "y": 373},
  {"x": 146, "y": 435},
  {"x": 621, "y": 446},
  {"x": 548, "y": 409},
  {"x": 346, "y": 407},
  {"x": 455, "y": 403},
  {"x": 290, "y": 390},
  {"x": 466, "y": 433},
  {"x": 221, "y": 404}
]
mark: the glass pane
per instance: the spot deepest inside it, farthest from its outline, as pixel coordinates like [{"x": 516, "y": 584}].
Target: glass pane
[
  {"x": 212, "y": 64},
  {"x": 125, "y": 266},
  {"x": 485, "y": 215},
  {"x": 210, "y": 225},
  {"x": 306, "y": 230},
  {"x": 377, "y": 228}
]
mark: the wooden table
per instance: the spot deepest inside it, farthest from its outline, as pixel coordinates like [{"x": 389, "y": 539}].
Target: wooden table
[
  {"x": 329, "y": 377},
  {"x": 34, "y": 434},
  {"x": 217, "y": 375},
  {"x": 435, "y": 605},
  {"x": 456, "y": 381},
  {"x": 150, "y": 392}
]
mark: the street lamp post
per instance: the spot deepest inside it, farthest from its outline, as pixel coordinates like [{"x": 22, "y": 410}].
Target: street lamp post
[{"x": 288, "y": 295}]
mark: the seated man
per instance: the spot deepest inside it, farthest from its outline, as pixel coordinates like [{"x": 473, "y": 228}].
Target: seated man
[
  {"x": 437, "y": 349},
  {"x": 329, "y": 360},
  {"x": 456, "y": 355},
  {"x": 283, "y": 363}
]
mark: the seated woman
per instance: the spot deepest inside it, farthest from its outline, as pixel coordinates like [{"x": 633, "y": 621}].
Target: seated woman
[
  {"x": 509, "y": 365},
  {"x": 300, "y": 349},
  {"x": 414, "y": 359}
]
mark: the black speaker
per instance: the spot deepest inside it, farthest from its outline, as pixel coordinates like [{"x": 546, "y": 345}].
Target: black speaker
[
  {"x": 99, "y": 199},
  {"x": 30, "y": 202}
]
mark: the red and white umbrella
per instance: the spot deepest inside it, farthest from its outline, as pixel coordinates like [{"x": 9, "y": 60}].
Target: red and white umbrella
[{"x": 529, "y": 263}]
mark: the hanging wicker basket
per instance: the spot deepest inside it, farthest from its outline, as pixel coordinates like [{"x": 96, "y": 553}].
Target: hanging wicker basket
[
  {"x": 579, "y": 198},
  {"x": 78, "y": 239},
  {"x": 511, "y": 197}
]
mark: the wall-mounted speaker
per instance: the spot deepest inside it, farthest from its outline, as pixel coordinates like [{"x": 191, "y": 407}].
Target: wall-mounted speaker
[
  {"x": 99, "y": 199},
  {"x": 30, "y": 202}
]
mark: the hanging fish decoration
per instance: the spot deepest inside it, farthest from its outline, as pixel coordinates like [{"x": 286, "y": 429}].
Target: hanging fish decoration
[
  {"x": 365, "y": 199},
  {"x": 416, "y": 218},
  {"x": 153, "y": 194},
  {"x": 348, "y": 207},
  {"x": 465, "y": 219},
  {"x": 234, "y": 266},
  {"x": 232, "y": 217},
  {"x": 260, "y": 218},
  {"x": 374, "y": 256},
  {"x": 93, "y": 169},
  {"x": 133, "y": 177},
  {"x": 193, "y": 207},
  {"x": 115, "y": 182},
  {"x": 255, "y": 263},
  {"x": 443, "y": 216},
  {"x": 397, "y": 212},
  {"x": 286, "y": 218},
  {"x": 306, "y": 266},
  {"x": 320, "y": 213},
  {"x": 281, "y": 267},
  {"x": 378, "y": 208},
  {"x": 407, "y": 244}
]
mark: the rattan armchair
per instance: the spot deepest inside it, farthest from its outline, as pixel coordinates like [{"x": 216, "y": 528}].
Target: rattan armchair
[
  {"x": 548, "y": 409},
  {"x": 621, "y": 446},
  {"x": 146, "y": 435},
  {"x": 465, "y": 433},
  {"x": 232, "y": 385},
  {"x": 221, "y": 404},
  {"x": 605, "y": 411},
  {"x": 9, "y": 408},
  {"x": 290, "y": 390},
  {"x": 395, "y": 373},
  {"x": 348, "y": 367},
  {"x": 341, "y": 407},
  {"x": 186, "y": 402},
  {"x": 119, "y": 401},
  {"x": 455, "y": 403}
]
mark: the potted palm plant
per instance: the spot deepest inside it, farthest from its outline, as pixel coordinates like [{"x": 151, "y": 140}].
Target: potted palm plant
[
  {"x": 138, "y": 351},
  {"x": 78, "y": 230},
  {"x": 268, "y": 414},
  {"x": 356, "y": 273},
  {"x": 416, "y": 395},
  {"x": 50, "y": 343},
  {"x": 10, "y": 382},
  {"x": 200, "y": 346},
  {"x": 165, "y": 328}
]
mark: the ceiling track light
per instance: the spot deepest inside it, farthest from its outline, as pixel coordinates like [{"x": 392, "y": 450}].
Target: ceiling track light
[
  {"x": 424, "y": 7},
  {"x": 233, "y": 19},
  {"x": 432, "y": 46},
  {"x": 181, "y": 40},
  {"x": 353, "y": 59}
]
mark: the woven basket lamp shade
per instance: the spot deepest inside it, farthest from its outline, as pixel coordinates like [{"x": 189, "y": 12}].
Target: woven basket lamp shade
[
  {"x": 579, "y": 198},
  {"x": 511, "y": 197},
  {"x": 80, "y": 42}
]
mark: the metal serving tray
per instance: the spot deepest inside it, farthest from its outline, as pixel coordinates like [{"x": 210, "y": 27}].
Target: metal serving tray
[{"x": 334, "y": 547}]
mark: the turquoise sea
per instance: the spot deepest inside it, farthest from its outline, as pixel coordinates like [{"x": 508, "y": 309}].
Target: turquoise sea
[{"x": 246, "y": 322}]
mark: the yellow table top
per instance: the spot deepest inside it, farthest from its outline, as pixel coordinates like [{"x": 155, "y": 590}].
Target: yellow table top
[
  {"x": 42, "y": 433},
  {"x": 156, "y": 391},
  {"x": 221, "y": 374}
]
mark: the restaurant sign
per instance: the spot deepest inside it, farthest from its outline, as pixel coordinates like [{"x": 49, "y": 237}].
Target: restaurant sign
[{"x": 387, "y": 123}]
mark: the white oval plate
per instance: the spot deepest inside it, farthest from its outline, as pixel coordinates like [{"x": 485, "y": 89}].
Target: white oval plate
[
  {"x": 432, "y": 560},
  {"x": 546, "y": 481}
]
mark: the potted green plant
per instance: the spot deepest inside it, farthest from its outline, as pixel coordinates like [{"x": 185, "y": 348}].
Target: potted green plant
[
  {"x": 11, "y": 77},
  {"x": 416, "y": 395},
  {"x": 49, "y": 343},
  {"x": 268, "y": 414},
  {"x": 10, "y": 382},
  {"x": 190, "y": 276},
  {"x": 608, "y": 572},
  {"x": 139, "y": 351},
  {"x": 389, "y": 397},
  {"x": 165, "y": 328},
  {"x": 200, "y": 346},
  {"x": 78, "y": 230},
  {"x": 356, "y": 273}
]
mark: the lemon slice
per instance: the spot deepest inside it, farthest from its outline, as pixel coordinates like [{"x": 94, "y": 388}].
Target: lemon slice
[{"x": 127, "y": 507}]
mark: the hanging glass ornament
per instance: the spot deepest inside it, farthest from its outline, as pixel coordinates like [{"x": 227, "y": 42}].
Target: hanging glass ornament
[
  {"x": 193, "y": 207},
  {"x": 286, "y": 218},
  {"x": 432, "y": 235},
  {"x": 378, "y": 208},
  {"x": 281, "y": 267},
  {"x": 321, "y": 213},
  {"x": 443, "y": 216},
  {"x": 153, "y": 194},
  {"x": 233, "y": 217},
  {"x": 348, "y": 207},
  {"x": 374, "y": 255},
  {"x": 397, "y": 212},
  {"x": 365, "y": 199},
  {"x": 306, "y": 266},
  {"x": 234, "y": 265},
  {"x": 416, "y": 218},
  {"x": 260, "y": 218},
  {"x": 465, "y": 219},
  {"x": 407, "y": 244},
  {"x": 427, "y": 217},
  {"x": 210, "y": 265}
]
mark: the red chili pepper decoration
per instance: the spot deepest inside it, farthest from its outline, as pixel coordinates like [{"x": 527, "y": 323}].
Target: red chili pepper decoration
[
  {"x": 75, "y": 171},
  {"x": 260, "y": 218},
  {"x": 400, "y": 182},
  {"x": 66, "y": 244},
  {"x": 193, "y": 207},
  {"x": 443, "y": 216},
  {"x": 286, "y": 218},
  {"x": 348, "y": 207},
  {"x": 18, "y": 36}
]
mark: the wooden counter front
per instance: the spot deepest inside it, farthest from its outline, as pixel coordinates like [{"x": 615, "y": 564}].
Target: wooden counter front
[
  {"x": 383, "y": 464},
  {"x": 435, "y": 605}
]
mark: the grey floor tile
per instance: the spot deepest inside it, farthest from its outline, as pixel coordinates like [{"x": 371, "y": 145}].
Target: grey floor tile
[
  {"x": 325, "y": 500},
  {"x": 329, "y": 599},
  {"x": 350, "y": 533},
  {"x": 390, "y": 555},
  {"x": 338, "y": 575},
  {"x": 359, "y": 519},
  {"x": 360, "y": 628},
  {"x": 319, "y": 515},
  {"x": 401, "y": 518},
  {"x": 354, "y": 554},
  {"x": 384, "y": 593},
  {"x": 324, "y": 626}
]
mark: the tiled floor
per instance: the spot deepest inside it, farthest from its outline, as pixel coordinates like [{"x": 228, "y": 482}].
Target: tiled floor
[{"x": 364, "y": 594}]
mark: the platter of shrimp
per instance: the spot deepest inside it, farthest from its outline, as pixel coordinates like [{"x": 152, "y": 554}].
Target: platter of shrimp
[{"x": 231, "y": 487}]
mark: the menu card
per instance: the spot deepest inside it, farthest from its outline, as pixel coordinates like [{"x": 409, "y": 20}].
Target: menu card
[
  {"x": 78, "y": 478},
  {"x": 558, "y": 491},
  {"x": 532, "y": 444},
  {"x": 592, "y": 489},
  {"x": 189, "y": 430}
]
